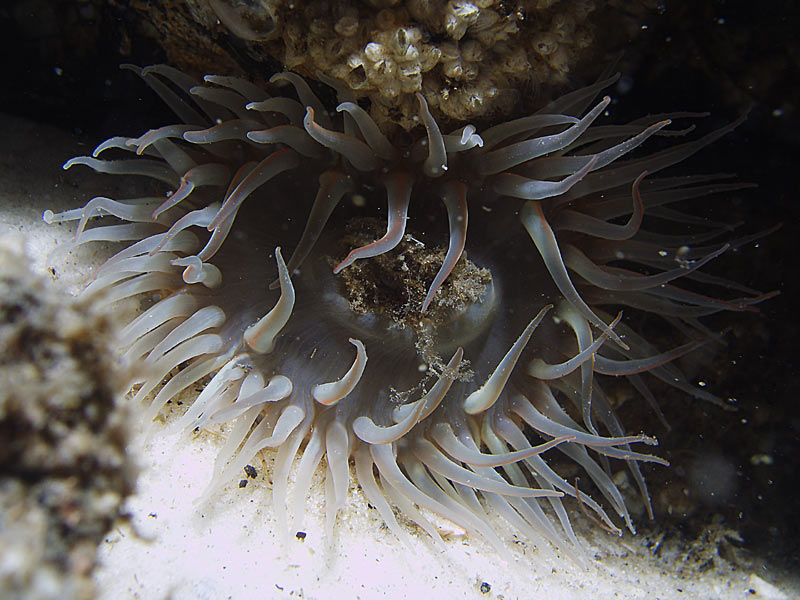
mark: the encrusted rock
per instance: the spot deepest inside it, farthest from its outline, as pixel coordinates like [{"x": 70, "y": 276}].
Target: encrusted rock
[
  {"x": 471, "y": 60},
  {"x": 63, "y": 467}
]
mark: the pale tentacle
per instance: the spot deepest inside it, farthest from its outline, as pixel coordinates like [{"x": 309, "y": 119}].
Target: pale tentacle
[
  {"x": 332, "y": 187},
  {"x": 294, "y": 137},
  {"x": 398, "y": 193},
  {"x": 354, "y": 150},
  {"x": 510, "y": 156},
  {"x": 329, "y": 394},
  {"x": 485, "y": 396},
  {"x": 229, "y": 130},
  {"x": 143, "y": 142},
  {"x": 276, "y": 163},
  {"x": 436, "y": 162},
  {"x": 443, "y": 435},
  {"x": 542, "y": 370},
  {"x": 278, "y": 388},
  {"x": 517, "y": 186},
  {"x": 430, "y": 401},
  {"x": 454, "y": 196},
  {"x": 261, "y": 335},
  {"x": 439, "y": 463},
  {"x": 533, "y": 219},
  {"x": 306, "y": 96},
  {"x": 571, "y": 220},
  {"x": 369, "y": 129},
  {"x": 368, "y": 431},
  {"x": 149, "y": 168}
]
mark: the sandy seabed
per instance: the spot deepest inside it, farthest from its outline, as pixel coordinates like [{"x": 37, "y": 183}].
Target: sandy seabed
[{"x": 175, "y": 547}]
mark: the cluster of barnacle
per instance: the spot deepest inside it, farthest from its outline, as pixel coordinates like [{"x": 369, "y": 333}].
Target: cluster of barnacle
[{"x": 468, "y": 58}]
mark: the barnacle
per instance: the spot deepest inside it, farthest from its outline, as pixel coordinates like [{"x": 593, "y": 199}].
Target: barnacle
[{"x": 443, "y": 354}]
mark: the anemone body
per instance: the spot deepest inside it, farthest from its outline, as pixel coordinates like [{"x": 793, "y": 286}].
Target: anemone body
[{"x": 437, "y": 311}]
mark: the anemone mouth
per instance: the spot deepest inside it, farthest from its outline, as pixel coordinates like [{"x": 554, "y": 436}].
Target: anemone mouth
[{"x": 442, "y": 359}]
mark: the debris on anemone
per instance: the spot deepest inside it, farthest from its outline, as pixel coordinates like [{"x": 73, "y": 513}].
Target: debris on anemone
[{"x": 447, "y": 311}]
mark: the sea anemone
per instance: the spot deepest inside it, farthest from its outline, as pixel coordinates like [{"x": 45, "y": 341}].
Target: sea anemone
[{"x": 446, "y": 362}]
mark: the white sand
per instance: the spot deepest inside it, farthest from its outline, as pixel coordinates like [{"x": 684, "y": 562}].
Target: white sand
[{"x": 175, "y": 549}]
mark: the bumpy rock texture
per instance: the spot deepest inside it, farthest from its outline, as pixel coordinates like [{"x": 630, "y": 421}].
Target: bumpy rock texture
[
  {"x": 63, "y": 467},
  {"x": 470, "y": 59}
]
